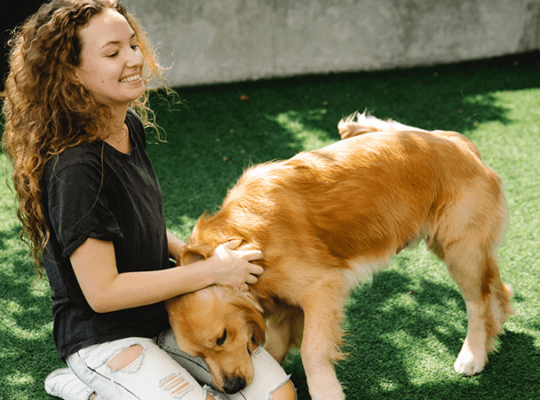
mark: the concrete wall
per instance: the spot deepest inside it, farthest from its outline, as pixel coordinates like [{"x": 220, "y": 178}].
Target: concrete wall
[{"x": 209, "y": 41}]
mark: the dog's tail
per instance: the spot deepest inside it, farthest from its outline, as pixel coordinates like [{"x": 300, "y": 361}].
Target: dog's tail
[{"x": 359, "y": 124}]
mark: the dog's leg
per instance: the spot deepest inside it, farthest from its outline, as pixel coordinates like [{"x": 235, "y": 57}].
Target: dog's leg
[
  {"x": 284, "y": 332},
  {"x": 486, "y": 298},
  {"x": 500, "y": 300},
  {"x": 277, "y": 338},
  {"x": 323, "y": 313}
]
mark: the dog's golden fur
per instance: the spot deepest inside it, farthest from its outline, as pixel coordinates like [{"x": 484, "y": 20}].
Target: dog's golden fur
[{"x": 329, "y": 218}]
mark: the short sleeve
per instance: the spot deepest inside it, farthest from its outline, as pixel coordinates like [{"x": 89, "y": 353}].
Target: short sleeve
[{"x": 78, "y": 205}]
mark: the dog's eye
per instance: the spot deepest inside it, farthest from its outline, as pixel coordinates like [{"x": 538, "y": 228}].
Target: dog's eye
[{"x": 222, "y": 339}]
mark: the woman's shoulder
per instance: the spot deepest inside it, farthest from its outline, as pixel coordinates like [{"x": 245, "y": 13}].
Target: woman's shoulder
[
  {"x": 83, "y": 155},
  {"x": 135, "y": 125},
  {"x": 133, "y": 116}
]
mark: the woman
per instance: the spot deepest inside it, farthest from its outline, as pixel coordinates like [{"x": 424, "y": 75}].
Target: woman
[{"x": 91, "y": 210}]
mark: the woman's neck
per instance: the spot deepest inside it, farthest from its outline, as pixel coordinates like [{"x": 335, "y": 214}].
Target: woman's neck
[{"x": 118, "y": 134}]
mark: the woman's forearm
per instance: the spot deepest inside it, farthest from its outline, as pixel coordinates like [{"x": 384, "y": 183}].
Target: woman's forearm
[
  {"x": 106, "y": 290},
  {"x": 135, "y": 289},
  {"x": 175, "y": 246}
]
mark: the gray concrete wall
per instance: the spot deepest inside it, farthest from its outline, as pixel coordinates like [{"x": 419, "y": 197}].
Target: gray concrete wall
[{"x": 209, "y": 41}]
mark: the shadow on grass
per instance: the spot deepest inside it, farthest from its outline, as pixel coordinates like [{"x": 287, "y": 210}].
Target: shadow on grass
[{"x": 402, "y": 340}]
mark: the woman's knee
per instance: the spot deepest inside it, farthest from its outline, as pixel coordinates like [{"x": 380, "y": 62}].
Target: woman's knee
[
  {"x": 284, "y": 392},
  {"x": 125, "y": 357}
]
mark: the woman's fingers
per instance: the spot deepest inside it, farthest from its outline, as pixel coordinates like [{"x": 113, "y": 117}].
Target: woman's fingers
[
  {"x": 251, "y": 255},
  {"x": 232, "y": 244},
  {"x": 235, "y": 266},
  {"x": 251, "y": 279},
  {"x": 248, "y": 254},
  {"x": 255, "y": 269}
]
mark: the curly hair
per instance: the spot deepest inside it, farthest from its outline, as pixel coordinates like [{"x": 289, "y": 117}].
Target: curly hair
[{"x": 46, "y": 108}]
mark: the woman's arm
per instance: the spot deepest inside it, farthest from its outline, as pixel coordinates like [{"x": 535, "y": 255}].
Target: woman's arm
[
  {"x": 175, "y": 246},
  {"x": 106, "y": 290}
]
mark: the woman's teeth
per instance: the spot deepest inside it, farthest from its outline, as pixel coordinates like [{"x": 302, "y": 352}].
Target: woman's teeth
[{"x": 131, "y": 78}]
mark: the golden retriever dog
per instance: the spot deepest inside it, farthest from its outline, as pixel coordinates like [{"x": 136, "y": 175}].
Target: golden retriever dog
[{"x": 328, "y": 219}]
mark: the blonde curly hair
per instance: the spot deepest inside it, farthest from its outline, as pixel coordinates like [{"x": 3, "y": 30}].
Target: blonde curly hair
[{"x": 46, "y": 108}]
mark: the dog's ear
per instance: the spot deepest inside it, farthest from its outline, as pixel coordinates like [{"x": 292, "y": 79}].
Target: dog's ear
[
  {"x": 191, "y": 254},
  {"x": 254, "y": 318},
  {"x": 258, "y": 329}
]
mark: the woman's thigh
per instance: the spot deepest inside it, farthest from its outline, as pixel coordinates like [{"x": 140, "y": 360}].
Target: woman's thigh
[
  {"x": 269, "y": 376},
  {"x": 152, "y": 375}
]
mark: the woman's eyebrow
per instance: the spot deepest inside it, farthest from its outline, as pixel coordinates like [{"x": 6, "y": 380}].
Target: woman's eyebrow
[{"x": 117, "y": 42}]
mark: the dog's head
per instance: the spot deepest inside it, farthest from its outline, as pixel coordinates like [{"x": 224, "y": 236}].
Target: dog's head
[{"x": 223, "y": 326}]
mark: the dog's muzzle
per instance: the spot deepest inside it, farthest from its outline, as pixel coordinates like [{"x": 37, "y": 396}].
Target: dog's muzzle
[{"x": 234, "y": 385}]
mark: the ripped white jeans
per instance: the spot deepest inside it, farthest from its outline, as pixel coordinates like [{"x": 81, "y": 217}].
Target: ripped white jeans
[{"x": 164, "y": 372}]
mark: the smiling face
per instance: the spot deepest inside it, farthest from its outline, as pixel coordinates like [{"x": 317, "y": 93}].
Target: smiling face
[
  {"x": 223, "y": 326},
  {"x": 111, "y": 63}
]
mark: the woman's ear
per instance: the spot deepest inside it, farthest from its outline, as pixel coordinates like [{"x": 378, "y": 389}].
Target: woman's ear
[{"x": 73, "y": 75}]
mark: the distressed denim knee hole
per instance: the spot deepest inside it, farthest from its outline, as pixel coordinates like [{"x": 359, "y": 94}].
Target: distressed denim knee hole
[
  {"x": 176, "y": 385},
  {"x": 128, "y": 360},
  {"x": 284, "y": 391}
]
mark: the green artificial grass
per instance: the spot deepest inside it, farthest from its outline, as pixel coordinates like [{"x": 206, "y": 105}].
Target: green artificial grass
[{"x": 405, "y": 329}]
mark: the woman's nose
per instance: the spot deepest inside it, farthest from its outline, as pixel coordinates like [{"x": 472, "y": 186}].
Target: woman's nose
[{"x": 135, "y": 58}]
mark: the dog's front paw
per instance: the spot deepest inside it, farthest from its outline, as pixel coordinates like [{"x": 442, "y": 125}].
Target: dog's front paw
[
  {"x": 325, "y": 387},
  {"x": 327, "y": 394},
  {"x": 470, "y": 363}
]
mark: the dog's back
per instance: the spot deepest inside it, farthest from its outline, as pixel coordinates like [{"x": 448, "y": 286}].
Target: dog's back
[
  {"x": 356, "y": 201},
  {"x": 359, "y": 124}
]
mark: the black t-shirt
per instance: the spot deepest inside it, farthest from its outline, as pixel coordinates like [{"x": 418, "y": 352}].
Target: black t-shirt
[{"x": 94, "y": 191}]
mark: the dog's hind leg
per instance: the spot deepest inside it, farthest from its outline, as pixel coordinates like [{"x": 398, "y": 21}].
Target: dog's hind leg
[
  {"x": 474, "y": 267},
  {"x": 323, "y": 313},
  {"x": 467, "y": 227}
]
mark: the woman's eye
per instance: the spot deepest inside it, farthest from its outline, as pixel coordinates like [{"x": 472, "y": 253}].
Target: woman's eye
[
  {"x": 112, "y": 55},
  {"x": 222, "y": 339},
  {"x": 134, "y": 47}
]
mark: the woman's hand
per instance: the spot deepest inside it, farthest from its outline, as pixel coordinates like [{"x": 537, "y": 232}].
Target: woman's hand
[{"x": 233, "y": 268}]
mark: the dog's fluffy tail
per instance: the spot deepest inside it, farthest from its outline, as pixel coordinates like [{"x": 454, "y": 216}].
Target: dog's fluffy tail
[{"x": 359, "y": 124}]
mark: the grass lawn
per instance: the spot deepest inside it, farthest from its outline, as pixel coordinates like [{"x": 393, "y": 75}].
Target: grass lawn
[{"x": 405, "y": 329}]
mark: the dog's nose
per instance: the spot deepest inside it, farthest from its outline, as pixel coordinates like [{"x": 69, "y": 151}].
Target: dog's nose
[{"x": 234, "y": 385}]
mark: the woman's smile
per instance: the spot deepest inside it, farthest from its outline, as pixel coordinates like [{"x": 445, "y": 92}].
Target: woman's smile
[{"x": 132, "y": 78}]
